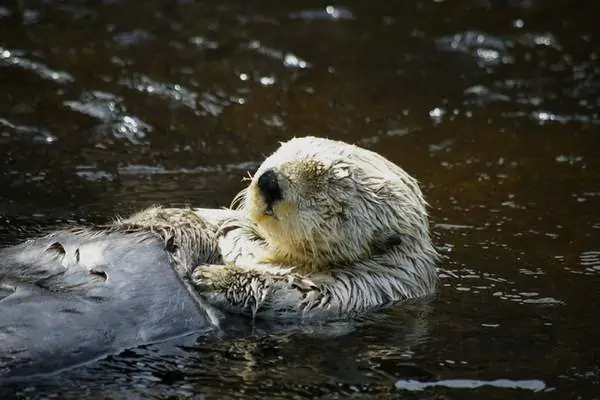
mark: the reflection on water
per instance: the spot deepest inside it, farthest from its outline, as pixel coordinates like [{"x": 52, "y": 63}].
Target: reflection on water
[
  {"x": 533, "y": 385},
  {"x": 107, "y": 107}
]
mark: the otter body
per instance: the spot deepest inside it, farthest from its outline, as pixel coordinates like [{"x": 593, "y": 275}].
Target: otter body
[{"x": 325, "y": 230}]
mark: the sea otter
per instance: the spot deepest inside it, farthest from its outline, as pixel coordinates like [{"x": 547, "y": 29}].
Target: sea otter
[{"x": 324, "y": 230}]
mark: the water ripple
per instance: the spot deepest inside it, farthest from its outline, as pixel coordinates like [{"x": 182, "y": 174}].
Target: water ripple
[
  {"x": 289, "y": 59},
  {"x": 15, "y": 57},
  {"x": 92, "y": 173},
  {"x": 204, "y": 43},
  {"x": 489, "y": 50},
  {"x": 543, "y": 117},
  {"x": 329, "y": 13},
  {"x": 36, "y": 134},
  {"x": 468, "y": 280},
  {"x": 590, "y": 261},
  {"x": 209, "y": 103},
  {"x": 97, "y": 104},
  {"x": 139, "y": 169},
  {"x": 128, "y": 39},
  {"x": 539, "y": 39},
  {"x": 527, "y": 298},
  {"x": 534, "y": 385},
  {"x": 110, "y": 110}
]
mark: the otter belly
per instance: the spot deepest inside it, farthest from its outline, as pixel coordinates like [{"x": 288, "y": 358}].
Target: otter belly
[{"x": 75, "y": 296}]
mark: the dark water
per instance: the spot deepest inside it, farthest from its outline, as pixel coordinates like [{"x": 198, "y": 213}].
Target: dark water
[{"x": 109, "y": 106}]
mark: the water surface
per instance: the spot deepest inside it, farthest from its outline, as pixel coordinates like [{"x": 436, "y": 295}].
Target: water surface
[{"x": 110, "y": 106}]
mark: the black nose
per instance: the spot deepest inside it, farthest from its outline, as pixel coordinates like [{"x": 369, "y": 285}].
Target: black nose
[{"x": 269, "y": 188}]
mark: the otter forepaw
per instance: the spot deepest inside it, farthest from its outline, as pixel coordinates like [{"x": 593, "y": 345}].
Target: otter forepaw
[
  {"x": 208, "y": 278},
  {"x": 309, "y": 293},
  {"x": 232, "y": 288},
  {"x": 312, "y": 295}
]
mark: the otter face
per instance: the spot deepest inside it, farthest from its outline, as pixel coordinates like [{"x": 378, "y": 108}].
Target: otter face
[{"x": 320, "y": 203}]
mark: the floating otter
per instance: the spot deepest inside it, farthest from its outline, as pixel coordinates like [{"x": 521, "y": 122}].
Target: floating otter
[{"x": 324, "y": 230}]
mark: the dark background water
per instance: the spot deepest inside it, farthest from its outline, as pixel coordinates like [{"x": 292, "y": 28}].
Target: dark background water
[{"x": 109, "y": 106}]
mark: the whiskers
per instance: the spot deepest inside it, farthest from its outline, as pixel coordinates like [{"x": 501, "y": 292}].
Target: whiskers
[
  {"x": 239, "y": 202},
  {"x": 248, "y": 177}
]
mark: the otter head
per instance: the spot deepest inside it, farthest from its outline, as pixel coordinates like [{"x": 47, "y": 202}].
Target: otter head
[{"x": 319, "y": 203}]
